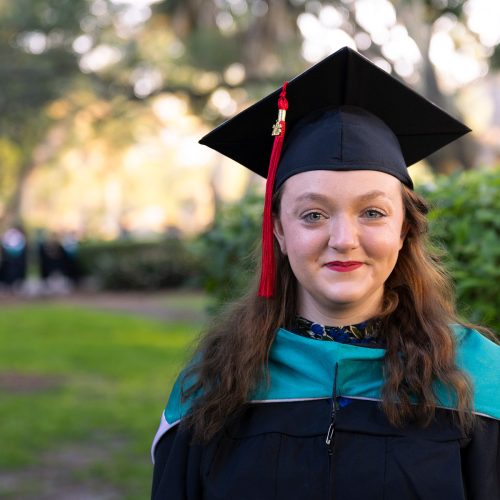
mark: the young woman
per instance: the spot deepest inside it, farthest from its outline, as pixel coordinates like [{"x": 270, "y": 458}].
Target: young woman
[{"x": 344, "y": 372}]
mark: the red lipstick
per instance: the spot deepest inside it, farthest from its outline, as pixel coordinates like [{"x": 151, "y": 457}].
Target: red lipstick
[{"x": 343, "y": 266}]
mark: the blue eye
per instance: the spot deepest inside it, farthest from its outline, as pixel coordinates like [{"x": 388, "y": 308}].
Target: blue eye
[
  {"x": 312, "y": 217},
  {"x": 371, "y": 213}
]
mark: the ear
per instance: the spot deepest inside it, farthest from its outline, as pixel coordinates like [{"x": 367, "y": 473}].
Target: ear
[{"x": 279, "y": 233}]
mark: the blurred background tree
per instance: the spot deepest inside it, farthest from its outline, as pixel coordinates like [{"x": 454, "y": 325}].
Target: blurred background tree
[{"x": 36, "y": 68}]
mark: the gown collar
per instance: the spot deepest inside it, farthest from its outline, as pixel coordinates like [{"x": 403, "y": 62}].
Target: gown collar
[
  {"x": 365, "y": 333},
  {"x": 302, "y": 368}
]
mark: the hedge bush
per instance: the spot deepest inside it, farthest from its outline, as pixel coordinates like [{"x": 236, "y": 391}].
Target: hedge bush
[
  {"x": 227, "y": 251},
  {"x": 124, "y": 264},
  {"x": 465, "y": 220}
]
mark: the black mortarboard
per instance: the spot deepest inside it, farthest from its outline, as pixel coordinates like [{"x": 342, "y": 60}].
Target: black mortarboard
[
  {"x": 344, "y": 113},
  {"x": 345, "y": 78}
]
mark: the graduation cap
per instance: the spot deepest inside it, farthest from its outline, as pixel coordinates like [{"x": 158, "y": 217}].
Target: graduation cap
[{"x": 344, "y": 113}]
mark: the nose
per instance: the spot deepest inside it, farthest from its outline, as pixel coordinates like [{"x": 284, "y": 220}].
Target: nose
[{"x": 343, "y": 234}]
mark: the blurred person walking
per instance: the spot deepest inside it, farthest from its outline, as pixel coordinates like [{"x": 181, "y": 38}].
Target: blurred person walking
[{"x": 13, "y": 261}]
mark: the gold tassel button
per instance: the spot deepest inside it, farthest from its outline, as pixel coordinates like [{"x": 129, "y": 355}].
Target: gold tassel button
[{"x": 281, "y": 118}]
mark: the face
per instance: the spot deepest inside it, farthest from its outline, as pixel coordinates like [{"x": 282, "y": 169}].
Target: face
[{"x": 342, "y": 232}]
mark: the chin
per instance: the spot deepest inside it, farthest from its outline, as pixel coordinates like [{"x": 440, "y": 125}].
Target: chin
[
  {"x": 340, "y": 299},
  {"x": 345, "y": 295}
]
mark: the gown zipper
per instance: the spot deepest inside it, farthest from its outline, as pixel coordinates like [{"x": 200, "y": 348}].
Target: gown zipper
[{"x": 330, "y": 434}]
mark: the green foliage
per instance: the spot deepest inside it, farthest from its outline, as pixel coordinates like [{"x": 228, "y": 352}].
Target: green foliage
[
  {"x": 129, "y": 265},
  {"x": 209, "y": 49},
  {"x": 226, "y": 250},
  {"x": 111, "y": 378},
  {"x": 54, "y": 24},
  {"x": 465, "y": 220}
]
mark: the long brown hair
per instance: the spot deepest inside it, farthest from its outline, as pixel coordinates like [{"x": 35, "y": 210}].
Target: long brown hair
[{"x": 418, "y": 307}]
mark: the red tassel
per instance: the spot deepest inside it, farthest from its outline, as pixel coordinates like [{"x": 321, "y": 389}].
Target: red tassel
[{"x": 268, "y": 271}]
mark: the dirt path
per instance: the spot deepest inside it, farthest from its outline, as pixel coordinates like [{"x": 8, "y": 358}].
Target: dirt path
[
  {"x": 163, "y": 306},
  {"x": 65, "y": 474}
]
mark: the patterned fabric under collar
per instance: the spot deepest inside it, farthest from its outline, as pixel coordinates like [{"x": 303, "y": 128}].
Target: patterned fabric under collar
[{"x": 365, "y": 333}]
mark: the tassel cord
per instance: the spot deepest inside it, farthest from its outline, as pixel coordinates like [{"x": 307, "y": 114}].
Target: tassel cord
[{"x": 268, "y": 272}]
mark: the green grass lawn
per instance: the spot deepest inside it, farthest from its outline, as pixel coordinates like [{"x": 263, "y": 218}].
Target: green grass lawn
[{"x": 108, "y": 376}]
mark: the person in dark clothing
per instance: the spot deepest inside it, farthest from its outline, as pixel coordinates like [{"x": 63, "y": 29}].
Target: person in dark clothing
[
  {"x": 13, "y": 258},
  {"x": 51, "y": 257},
  {"x": 70, "y": 259},
  {"x": 344, "y": 372}
]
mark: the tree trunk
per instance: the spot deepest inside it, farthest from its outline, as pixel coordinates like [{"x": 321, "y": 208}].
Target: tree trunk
[
  {"x": 459, "y": 154},
  {"x": 263, "y": 38},
  {"x": 12, "y": 212},
  {"x": 42, "y": 153}
]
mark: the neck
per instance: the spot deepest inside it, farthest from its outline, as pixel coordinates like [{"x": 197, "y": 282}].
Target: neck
[{"x": 337, "y": 314}]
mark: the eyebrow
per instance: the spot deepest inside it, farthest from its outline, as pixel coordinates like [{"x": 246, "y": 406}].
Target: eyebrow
[{"x": 370, "y": 195}]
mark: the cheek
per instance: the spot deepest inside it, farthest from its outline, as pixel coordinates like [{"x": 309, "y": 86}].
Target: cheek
[
  {"x": 294, "y": 245},
  {"x": 302, "y": 243},
  {"x": 383, "y": 245}
]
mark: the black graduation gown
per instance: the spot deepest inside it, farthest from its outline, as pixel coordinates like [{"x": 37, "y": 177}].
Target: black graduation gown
[{"x": 278, "y": 451}]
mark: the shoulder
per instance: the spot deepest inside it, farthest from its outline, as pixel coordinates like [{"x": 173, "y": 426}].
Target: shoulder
[
  {"x": 176, "y": 408},
  {"x": 470, "y": 341},
  {"x": 462, "y": 331},
  {"x": 479, "y": 357}
]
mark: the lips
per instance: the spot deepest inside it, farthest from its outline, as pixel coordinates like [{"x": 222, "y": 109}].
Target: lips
[{"x": 343, "y": 266}]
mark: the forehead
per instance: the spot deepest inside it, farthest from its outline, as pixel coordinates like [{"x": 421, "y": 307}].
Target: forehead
[{"x": 342, "y": 184}]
